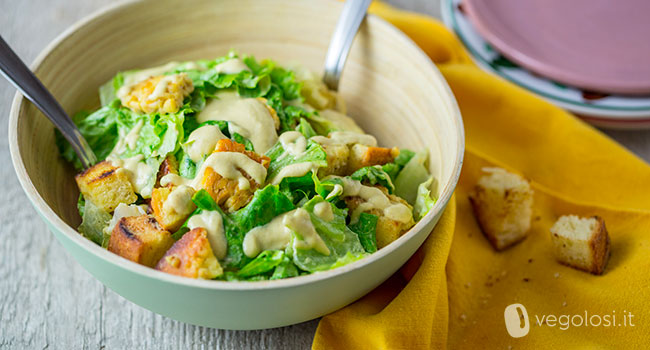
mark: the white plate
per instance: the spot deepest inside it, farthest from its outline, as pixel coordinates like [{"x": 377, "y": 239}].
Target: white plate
[{"x": 610, "y": 111}]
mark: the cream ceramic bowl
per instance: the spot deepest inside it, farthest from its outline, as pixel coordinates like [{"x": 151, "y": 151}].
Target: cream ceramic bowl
[{"x": 391, "y": 88}]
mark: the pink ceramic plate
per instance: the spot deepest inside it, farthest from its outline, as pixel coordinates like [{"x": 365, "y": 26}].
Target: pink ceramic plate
[{"x": 601, "y": 45}]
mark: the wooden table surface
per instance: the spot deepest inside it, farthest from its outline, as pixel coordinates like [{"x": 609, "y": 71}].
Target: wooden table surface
[{"x": 46, "y": 299}]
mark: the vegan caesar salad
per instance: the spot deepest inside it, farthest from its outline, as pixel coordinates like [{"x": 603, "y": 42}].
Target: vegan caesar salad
[{"x": 240, "y": 170}]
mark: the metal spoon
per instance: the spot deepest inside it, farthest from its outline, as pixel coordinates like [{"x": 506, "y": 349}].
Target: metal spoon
[
  {"x": 17, "y": 73},
  {"x": 346, "y": 29}
]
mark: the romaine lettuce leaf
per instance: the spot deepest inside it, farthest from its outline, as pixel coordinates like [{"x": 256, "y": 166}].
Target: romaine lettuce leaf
[
  {"x": 393, "y": 168},
  {"x": 374, "y": 175},
  {"x": 344, "y": 245},
  {"x": 299, "y": 188},
  {"x": 280, "y": 158},
  {"x": 285, "y": 269},
  {"x": 366, "y": 228},
  {"x": 424, "y": 200},
  {"x": 305, "y": 128},
  {"x": 266, "y": 204},
  {"x": 264, "y": 262},
  {"x": 93, "y": 222},
  {"x": 412, "y": 175}
]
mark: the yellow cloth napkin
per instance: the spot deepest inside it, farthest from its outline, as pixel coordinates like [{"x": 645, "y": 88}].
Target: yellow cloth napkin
[{"x": 454, "y": 291}]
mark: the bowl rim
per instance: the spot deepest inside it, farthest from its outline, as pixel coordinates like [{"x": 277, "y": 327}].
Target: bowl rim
[{"x": 55, "y": 222}]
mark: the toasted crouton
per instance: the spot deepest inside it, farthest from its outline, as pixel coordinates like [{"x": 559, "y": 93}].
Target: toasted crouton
[
  {"x": 191, "y": 256},
  {"x": 105, "y": 186},
  {"x": 337, "y": 160},
  {"x": 168, "y": 166},
  {"x": 162, "y": 94},
  {"x": 171, "y": 206},
  {"x": 582, "y": 243},
  {"x": 227, "y": 192},
  {"x": 363, "y": 156},
  {"x": 503, "y": 206},
  {"x": 140, "y": 239},
  {"x": 226, "y": 145},
  {"x": 388, "y": 229}
]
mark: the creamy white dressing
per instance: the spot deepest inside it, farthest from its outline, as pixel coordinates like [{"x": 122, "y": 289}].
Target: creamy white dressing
[
  {"x": 226, "y": 164},
  {"x": 123, "y": 210},
  {"x": 341, "y": 120},
  {"x": 374, "y": 199},
  {"x": 203, "y": 141},
  {"x": 161, "y": 87},
  {"x": 324, "y": 211},
  {"x": 179, "y": 201},
  {"x": 294, "y": 143},
  {"x": 131, "y": 139},
  {"x": 232, "y": 66},
  {"x": 192, "y": 65},
  {"x": 346, "y": 138},
  {"x": 137, "y": 171},
  {"x": 212, "y": 222},
  {"x": 248, "y": 117},
  {"x": 277, "y": 234},
  {"x": 274, "y": 235},
  {"x": 306, "y": 236},
  {"x": 131, "y": 79},
  {"x": 337, "y": 190},
  {"x": 294, "y": 170}
]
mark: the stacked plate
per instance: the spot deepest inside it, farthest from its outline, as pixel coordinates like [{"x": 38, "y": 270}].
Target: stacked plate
[{"x": 587, "y": 56}]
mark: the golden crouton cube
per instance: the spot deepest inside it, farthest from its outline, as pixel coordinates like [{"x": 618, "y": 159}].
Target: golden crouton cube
[
  {"x": 226, "y": 192},
  {"x": 582, "y": 243},
  {"x": 226, "y": 145},
  {"x": 106, "y": 186},
  {"x": 191, "y": 256},
  {"x": 140, "y": 239},
  {"x": 168, "y": 166},
  {"x": 337, "y": 160},
  {"x": 162, "y": 94},
  {"x": 387, "y": 229},
  {"x": 503, "y": 206},
  {"x": 172, "y": 212},
  {"x": 362, "y": 156}
]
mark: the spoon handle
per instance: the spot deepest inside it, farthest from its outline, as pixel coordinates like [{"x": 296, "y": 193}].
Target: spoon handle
[
  {"x": 346, "y": 29},
  {"x": 17, "y": 73}
]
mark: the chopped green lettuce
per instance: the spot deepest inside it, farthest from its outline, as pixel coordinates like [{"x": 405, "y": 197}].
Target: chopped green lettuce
[
  {"x": 330, "y": 188},
  {"x": 393, "y": 168},
  {"x": 343, "y": 244},
  {"x": 328, "y": 121},
  {"x": 374, "y": 175},
  {"x": 366, "y": 228},
  {"x": 404, "y": 157},
  {"x": 412, "y": 175},
  {"x": 305, "y": 128},
  {"x": 285, "y": 269},
  {"x": 266, "y": 204},
  {"x": 264, "y": 262},
  {"x": 299, "y": 188},
  {"x": 424, "y": 200},
  {"x": 93, "y": 221},
  {"x": 280, "y": 158}
]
